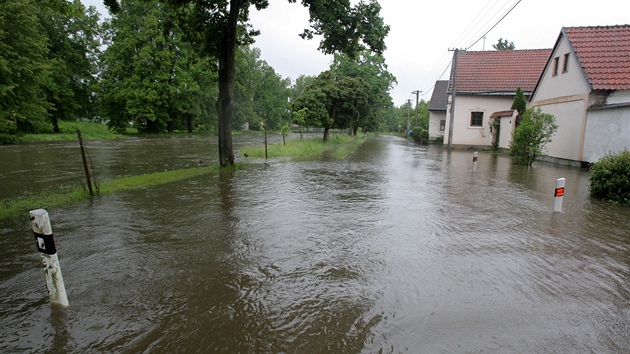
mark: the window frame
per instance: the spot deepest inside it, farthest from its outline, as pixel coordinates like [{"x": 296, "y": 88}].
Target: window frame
[
  {"x": 442, "y": 125},
  {"x": 565, "y": 63},
  {"x": 480, "y": 119},
  {"x": 556, "y": 63}
]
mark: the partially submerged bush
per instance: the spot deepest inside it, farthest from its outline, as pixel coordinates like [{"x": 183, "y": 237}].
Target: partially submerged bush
[{"x": 610, "y": 178}]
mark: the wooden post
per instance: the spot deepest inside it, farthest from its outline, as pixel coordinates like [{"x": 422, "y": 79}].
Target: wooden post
[
  {"x": 265, "y": 144},
  {"x": 46, "y": 247},
  {"x": 558, "y": 195},
  {"x": 85, "y": 166}
]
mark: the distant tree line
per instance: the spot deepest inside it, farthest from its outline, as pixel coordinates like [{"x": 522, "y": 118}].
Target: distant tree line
[{"x": 140, "y": 68}]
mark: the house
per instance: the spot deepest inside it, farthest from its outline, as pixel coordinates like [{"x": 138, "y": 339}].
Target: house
[
  {"x": 585, "y": 84},
  {"x": 437, "y": 110},
  {"x": 482, "y": 87}
]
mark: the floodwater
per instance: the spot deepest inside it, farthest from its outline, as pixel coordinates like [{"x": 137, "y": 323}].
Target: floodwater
[{"x": 399, "y": 249}]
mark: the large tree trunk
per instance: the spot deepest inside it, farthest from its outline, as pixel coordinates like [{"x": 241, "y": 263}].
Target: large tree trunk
[
  {"x": 225, "y": 104},
  {"x": 55, "y": 124}
]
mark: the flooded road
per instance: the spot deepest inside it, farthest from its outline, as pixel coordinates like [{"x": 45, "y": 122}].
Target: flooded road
[{"x": 399, "y": 249}]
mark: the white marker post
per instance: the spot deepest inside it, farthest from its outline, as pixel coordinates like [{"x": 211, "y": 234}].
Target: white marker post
[
  {"x": 475, "y": 156},
  {"x": 558, "y": 195},
  {"x": 46, "y": 247}
]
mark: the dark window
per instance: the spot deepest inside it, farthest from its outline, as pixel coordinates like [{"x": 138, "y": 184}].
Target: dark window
[
  {"x": 565, "y": 63},
  {"x": 476, "y": 119},
  {"x": 442, "y": 125},
  {"x": 555, "y": 66}
]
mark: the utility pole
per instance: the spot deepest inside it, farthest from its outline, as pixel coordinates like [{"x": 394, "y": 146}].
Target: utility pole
[
  {"x": 416, "y": 92},
  {"x": 452, "y": 117},
  {"x": 408, "y": 113}
]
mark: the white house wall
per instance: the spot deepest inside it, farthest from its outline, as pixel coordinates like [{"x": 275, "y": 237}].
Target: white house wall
[
  {"x": 565, "y": 96},
  {"x": 434, "y": 124},
  {"x": 567, "y": 142},
  {"x": 607, "y": 131},
  {"x": 505, "y": 132},
  {"x": 463, "y": 133}
]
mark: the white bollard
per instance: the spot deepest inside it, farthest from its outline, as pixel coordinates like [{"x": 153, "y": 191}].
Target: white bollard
[
  {"x": 558, "y": 195},
  {"x": 46, "y": 247},
  {"x": 475, "y": 156}
]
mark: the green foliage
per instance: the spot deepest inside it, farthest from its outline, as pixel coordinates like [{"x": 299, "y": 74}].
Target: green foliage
[
  {"x": 260, "y": 94},
  {"x": 610, "y": 178},
  {"x": 531, "y": 136},
  {"x": 150, "y": 76},
  {"x": 520, "y": 103},
  {"x": 339, "y": 146},
  {"x": 48, "y": 57},
  {"x": 24, "y": 69},
  {"x": 503, "y": 44}
]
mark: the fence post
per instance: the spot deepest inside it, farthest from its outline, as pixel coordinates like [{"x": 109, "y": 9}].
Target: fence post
[
  {"x": 46, "y": 247},
  {"x": 475, "y": 156},
  {"x": 558, "y": 195}
]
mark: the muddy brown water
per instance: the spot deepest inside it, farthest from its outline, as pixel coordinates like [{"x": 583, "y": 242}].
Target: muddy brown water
[{"x": 399, "y": 249}]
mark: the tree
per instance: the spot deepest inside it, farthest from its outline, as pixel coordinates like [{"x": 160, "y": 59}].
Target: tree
[
  {"x": 373, "y": 71},
  {"x": 150, "y": 76},
  {"x": 218, "y": 27},
  {"x": 24, "y": 69},
  {"x": 260, "y": 94},
  {"x": 531, "y": 136},
  {"x": 73, "y": 40},
  {"x": 503, "y": 44},
  {"x": 331, "y": 102},
  {"x": 520, "y": 103}
]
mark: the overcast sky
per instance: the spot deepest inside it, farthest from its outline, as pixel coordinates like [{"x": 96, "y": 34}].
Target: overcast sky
[{"x": 422, "y": 32}]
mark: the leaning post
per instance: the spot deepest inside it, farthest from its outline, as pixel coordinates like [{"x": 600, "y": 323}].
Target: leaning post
[
  {"x": 558, "y": 195},
  {"x": 46, "y": 247}
]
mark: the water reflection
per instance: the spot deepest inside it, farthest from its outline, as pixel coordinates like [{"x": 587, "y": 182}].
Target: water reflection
[{"x": 400, "y": 248}]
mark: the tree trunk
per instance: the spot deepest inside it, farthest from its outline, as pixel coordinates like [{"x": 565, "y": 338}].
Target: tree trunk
[
  {"x": 189, "y": 122},
  {"x": 225, "y": 103},
  {"x": 55, "y": 124},
  {"x": 326, "y": 130}
]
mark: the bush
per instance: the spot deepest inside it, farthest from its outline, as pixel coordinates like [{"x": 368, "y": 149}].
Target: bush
[
  {"x": 610, "y": 178},
  {"x": 531, "y": 136}
]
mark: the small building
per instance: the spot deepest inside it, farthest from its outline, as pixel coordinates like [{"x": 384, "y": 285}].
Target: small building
[
  {"x": 585, "y": 84},
  {"x": 483, "y": 83},
  {"x": 437, "y": 110}
]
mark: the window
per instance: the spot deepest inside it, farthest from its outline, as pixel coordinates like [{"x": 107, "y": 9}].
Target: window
[
  {"x": 476, "y": 119},
  {"x": 565, "y": 63},
  {"x": 442, "y": 125},
  {"x": 555, "y": 65}
]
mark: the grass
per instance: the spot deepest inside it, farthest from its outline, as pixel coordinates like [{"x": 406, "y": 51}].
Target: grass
[
  {"x": 89, "y": 131},
  {"x": 14, "y": 207},
  {"x": 340, "y": 146}
]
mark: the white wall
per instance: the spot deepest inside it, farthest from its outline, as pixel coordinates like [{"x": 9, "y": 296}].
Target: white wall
[
  {"x": 463, "y": 133},
  {"x": 505, "y": 134},
  {"x": 434, "y": 124},
  {"x": 607, "y": 130},
  {"x": 565, "y": 96}
]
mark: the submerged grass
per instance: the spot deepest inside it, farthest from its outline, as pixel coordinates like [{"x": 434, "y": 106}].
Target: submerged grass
[
  {"x": 15, "y": 207},
  {"x": 89, "y": 131},
  {"x": 340, "y": 146}
]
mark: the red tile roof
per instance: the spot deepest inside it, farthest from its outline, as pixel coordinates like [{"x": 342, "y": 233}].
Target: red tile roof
[
  {"x": 604, "y": 54},
  {"x": 499, "y": 71}
]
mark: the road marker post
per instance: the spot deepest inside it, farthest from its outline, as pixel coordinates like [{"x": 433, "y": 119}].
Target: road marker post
[
  {"x": 46, "y": 246},
  {"x": 475, "y": 157},
  {"x": 558, "y": 195}
]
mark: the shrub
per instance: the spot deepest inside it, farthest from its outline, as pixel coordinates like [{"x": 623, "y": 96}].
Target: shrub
[
  {"x": 610, "y": 178},
  {"x": 531, "y": 136}
]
